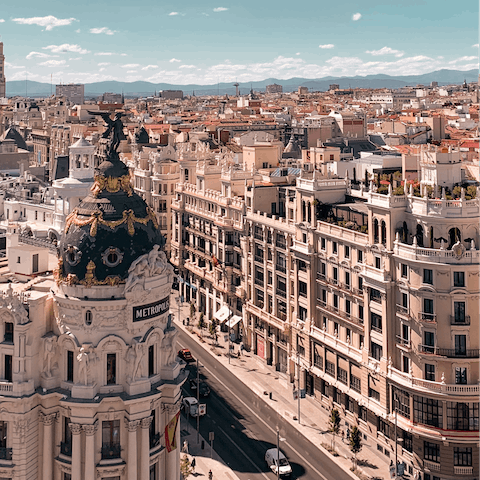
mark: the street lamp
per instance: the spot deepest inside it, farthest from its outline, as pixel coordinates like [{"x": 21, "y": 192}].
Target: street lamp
[
  {"x": 395, "y": 400},
  {"x": 198, "y": 402},
  {"x": 278, "y": 452}
]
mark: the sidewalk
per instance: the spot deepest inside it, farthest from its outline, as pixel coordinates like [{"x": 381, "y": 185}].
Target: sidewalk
[
  {"x": 204, "y": 462},
  {"x": 262, "y": 380}
]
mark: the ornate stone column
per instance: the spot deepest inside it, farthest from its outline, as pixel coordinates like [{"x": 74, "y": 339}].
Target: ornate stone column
[
  {"x": 145, "y": 446},
  {"x": 90, "y": 431},
  {"x": 47, "y": 421},
  {"x": 132, "y": 449},
  {"x": 76, "y": 429}
]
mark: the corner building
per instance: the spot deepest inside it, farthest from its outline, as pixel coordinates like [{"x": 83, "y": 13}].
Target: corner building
[
  {"x": 90, "y": 371},
  {"x": 390, "y": 326}
]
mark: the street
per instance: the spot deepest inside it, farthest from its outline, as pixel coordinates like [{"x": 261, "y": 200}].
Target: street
[{"x": 245, "y": 426}]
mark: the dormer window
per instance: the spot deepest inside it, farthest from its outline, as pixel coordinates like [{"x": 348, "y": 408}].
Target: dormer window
[
  {"x": 112, "y": 257},
  {"x": 73, "y": 255}
]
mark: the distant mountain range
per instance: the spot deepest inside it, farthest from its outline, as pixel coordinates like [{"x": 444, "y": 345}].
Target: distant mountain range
[{"x": 134, "y": 89}]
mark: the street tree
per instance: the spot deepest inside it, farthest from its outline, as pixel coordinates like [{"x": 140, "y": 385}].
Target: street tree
[
  {"x": 334, "y": 424},
  {"x": 192, "y": 311},
  {"x": 355, "y": 443},
  {"x": 201, "y": 322},
  {"x": 186, "y": 468}
]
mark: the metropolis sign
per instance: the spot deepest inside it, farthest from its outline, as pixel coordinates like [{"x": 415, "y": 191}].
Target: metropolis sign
[{"x": 145, "y": 312}]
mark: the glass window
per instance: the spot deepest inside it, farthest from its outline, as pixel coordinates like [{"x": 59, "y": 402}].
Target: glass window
[
  {"x": 335, "y": 247},
  {"x": 8, "y": 332},
  {"x": 458, "y": 279},
  {"x": 347, "y": 251},
  {"x": 355, "y": 383},
  {"x": 407, "y": 441},
  {"x": 462, "y": 456},
  {"x": 459, "y": 312},
  {"x": 342, "y": 375},
  {"x": 360, "y": 256},
  {"x": 427, "y": 411},
  {"x": 462, "y": 416},
  {"x": 431, "y": 451},
  {"x": 151, "y": 360},
  {"x": 428, "y": 276},
  {"x": 404, "y": 270},
  {"x": 362, "y": 413},
  {"x": 429, "y": 372},
  {"x": 460, "y": 375},
  {"x": 383, "y": 427},
  {"x": 376, "y": 351},
  {"x": 376, "y": 322},
  {"x": 111, "y": 368},
  {"x": 111, "y": 439},
  {"x": 69, "y": 366},
  {"x": 402, "y": 402},
  {"x": 378, "y": 263},
  {"x": 460, "y": 344}
]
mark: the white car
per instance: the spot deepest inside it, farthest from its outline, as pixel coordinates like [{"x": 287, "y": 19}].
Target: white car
[{"x": 276, "y": 459}]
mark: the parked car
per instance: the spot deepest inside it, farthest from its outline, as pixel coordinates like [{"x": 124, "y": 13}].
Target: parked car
[
  {"x": 186, "y": 354},
  {"x": 277, "y": 460},
  {"x": 204, "y": 388}
]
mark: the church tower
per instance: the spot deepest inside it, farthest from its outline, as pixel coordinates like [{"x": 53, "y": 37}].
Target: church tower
[{"x": 2, "y": 73}]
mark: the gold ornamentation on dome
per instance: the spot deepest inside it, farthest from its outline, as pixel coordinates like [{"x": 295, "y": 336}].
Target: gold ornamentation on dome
[
  {"x": 71, "y": 279},
  {"x": 97, "y": 218},
  {"x": 112, "y": 185},
  {"x": 90, "y": 275}
]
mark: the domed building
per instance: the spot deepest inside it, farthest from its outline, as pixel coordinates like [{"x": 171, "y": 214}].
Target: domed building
[{"x": 95, "y": 379}]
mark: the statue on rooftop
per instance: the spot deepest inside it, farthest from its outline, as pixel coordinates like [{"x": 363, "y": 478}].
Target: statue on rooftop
[{"x": 114, "y": 131}]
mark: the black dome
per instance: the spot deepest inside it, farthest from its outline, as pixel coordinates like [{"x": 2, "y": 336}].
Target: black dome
[{"x": 108, "y": 230}]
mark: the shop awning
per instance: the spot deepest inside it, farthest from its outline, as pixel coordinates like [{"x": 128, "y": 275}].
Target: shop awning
[
  {"x": 222, "y": 314},
  {"x": 233, "y": 321}
]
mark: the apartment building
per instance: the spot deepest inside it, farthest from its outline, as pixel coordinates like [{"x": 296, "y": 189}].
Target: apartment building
[
  {"x": 74, "y": 93},
  {"x": 208, "y": 223}
]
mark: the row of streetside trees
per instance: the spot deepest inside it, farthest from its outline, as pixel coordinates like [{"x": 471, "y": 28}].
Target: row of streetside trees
[{"x": 354, "y": 438}]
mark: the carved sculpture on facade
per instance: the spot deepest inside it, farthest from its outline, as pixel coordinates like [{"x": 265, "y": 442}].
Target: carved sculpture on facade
[
  {"x": 13, "y": 304},
  {"x": 147, "y": 266},
  {"x": 49, "y": 346},
  {"x": 135, "y": 355},
  {"x": 82, "y": 359},
  {"x": 168, "y": 346}
]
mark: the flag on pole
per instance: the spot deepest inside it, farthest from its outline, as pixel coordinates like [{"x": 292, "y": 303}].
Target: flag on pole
[{"x": 170, "y": 433}]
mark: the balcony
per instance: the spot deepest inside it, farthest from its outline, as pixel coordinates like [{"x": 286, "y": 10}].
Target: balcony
[
  {"x": 321, "y": 276},
  {"x": 455, "y": 320},
  {"x": 449, "y": 352},
  {"x": 463, "y": 470},
  {"x": 377, "y": 329},
  {"x": 259, "y": 282},
  {"x": 428, "y": 317},
  {"x": 432, "y": 466},
  {"x": 259, "y": 258},
  {"x": 333, "y": 281},
  {"x": 281, "y": 268},
  {"x": 281, "y": 245},
  {"x": 66, "y": 449},
  {"x": 404, "y": 342},
  {"x": 357, "y": 291},
  {"x": 111, "y": 451},
  {"x": 402, "y": 310},
  {"x": 345, "y": 286},
  {"x": 5, "y": 453},
  {"x": 281, "y": 292}
]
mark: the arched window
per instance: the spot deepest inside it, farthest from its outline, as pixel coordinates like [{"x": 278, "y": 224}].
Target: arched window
[
  {"x": 186, "y": 174},
  {"x": 88, "y": 317},
  {"x": 309, "y": 212},
  {"x": 454, "y": 236},
  {"x": 375, "y": 231},
  {"x": 304, "y": 213},
  {"x": 384, "y": 232},
  {"x": 419, "y": 235}
]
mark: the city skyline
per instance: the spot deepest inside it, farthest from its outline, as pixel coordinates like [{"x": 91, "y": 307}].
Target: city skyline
[{"x": 166, "y": 43}]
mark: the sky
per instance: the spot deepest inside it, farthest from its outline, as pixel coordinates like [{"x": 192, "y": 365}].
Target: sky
[{"x": 213, "y": 41}]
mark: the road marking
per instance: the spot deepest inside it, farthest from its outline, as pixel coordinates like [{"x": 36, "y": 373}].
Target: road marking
[
  {"x": 266, "y": 424},
  {"x": 243, "y": 453}
]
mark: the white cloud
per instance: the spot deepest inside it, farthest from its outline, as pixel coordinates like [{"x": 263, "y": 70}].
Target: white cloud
[
  {"x": 53, "y": 63},
  {"x": 386, "y": 51},
  {"x": 174, "y": 60},
  {"x": 10, "y": 65},
  {"x": 2, "y": 20},
  {"x": 49, "y": 22},
  {"x": 103, "y": 64},
  {"x": 475, "y": 45},
  {"x": 25, "y": 73},
  {"x": 78, "y": 30},
  {"x": 327, "y": 46},
  {"x": 149, "y": 67},
  {"x": 104, "y": 30},
  {"x": 131, "y": 71},
  {"x": 102, "y": 69},
  {"x": 75, "y": 58},
  {"x": 206, "y": 14},
  {"x": 123, "y": 54},
  {"x": 66, "y": 47},
  {"x": 38, "y": 54},
  {"x": 298, "y": 53},
  {"x": 220, "y": 9},
  {"x": 464, "y": 59},
  {"x": 172, "y": 14},
  {"x": 131, "y": 65},
  {"x": 187, "y": 66},
  {"x": 103, "y": 54},
  {"x": 356, "y": 17}
]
